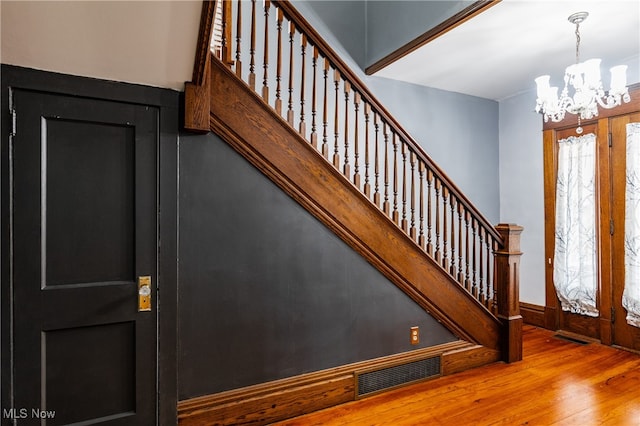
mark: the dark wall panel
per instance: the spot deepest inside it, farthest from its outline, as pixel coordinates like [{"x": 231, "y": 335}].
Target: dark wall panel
[{"x": 265, "y": 290}]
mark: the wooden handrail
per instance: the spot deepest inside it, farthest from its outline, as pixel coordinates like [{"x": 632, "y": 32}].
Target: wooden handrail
[{"x": 358, "y": 85}]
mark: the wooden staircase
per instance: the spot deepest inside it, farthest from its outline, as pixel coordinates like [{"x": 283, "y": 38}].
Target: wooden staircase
[{"x": 342, "y": 156}]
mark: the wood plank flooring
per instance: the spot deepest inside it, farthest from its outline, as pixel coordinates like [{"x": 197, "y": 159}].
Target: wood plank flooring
[{"x": 559, "y": 382}]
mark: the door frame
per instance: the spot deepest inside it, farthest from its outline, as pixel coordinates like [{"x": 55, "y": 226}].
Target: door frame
[
  {"x": 168, "y": 103},
  {"x": 552, "y": 310}
]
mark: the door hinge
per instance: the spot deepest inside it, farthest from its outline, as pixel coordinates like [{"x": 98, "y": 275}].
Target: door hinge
[
  {"x": 611, "y": 227},
  {"x": 610, "y": 141},
  {"x": 613, "y": 314}
]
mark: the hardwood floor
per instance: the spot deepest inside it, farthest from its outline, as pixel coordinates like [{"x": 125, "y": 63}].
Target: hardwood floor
[{"x": 559, "y": 382}]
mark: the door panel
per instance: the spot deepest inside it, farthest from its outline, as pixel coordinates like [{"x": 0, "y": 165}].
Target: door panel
[
  {"x": 623, "y": 333},
  {"x": 84, "y": 228}
]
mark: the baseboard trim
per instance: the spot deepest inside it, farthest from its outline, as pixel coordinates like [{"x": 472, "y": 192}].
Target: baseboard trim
[
  {"x": 532, "y": 314},
  {"x": 286, "y": 398}
]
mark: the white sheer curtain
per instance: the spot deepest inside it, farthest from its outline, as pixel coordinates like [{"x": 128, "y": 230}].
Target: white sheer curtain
[
  {"x": 631, "y": 294},
  {"x": 575, "y": 268}
]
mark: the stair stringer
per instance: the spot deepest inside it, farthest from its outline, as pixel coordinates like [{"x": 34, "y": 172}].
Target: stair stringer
[{"x": 247, "y": 123}]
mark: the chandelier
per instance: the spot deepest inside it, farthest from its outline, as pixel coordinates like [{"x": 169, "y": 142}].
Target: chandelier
[{"x": 588, "y": 93}]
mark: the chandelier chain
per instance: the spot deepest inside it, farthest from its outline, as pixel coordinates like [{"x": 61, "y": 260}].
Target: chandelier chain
[{"x": 577, "y": 42}]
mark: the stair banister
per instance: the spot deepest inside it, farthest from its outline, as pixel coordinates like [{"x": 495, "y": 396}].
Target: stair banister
[{"x": 489, "y": 274}]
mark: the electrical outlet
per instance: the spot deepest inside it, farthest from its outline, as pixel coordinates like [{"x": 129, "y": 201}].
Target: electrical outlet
[{"x": 415, "y": 335}]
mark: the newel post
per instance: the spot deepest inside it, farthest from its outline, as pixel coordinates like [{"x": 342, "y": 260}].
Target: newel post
[{"x": 508, "y": 291}]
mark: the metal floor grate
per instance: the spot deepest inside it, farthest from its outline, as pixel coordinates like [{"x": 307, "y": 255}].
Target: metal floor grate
[{"x": 375, "y": 381}]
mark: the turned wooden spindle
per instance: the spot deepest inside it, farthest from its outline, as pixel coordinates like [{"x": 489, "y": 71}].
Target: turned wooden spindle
[
  {"x": 314, "y": 100},
  {"x": 385, "y": 204},
  {"x": 452, "y": 206},
  {"x": 461, "y": 228},
  {"x": 421, "y": 177},
  {"x": 395, "y": 215},
  {"x": 227, "y": 25},
  {"x": 445, "y": 201},
  {"x": 265, "y": 78},
  {"x": 278, "y": 104},
  {"x": 325, "y": 113},
  {"x": 467, "y": 277},
  {"x": 239, "y": 39},
  {"x": 336, "y": 155},
  {"x": 429, "y": 238},
  {"x": 438, "y": 255},
  {"x": 356, "y": 142},
  {"x": 367, "y": 185},
  {"x": 376, "y": 161},
  {"x": 404, "y": 224},
  {"x": 303, "y": 48},
  {"x": 474, "y": 282},
  {"x": 489, "y": 243},
  {"x": 252, "y": 48},
  {"x": 292, "y": 32},
  {"x": 481, "y": 283},
  {"x": 346, "y": 170},
  {"x": 412, "y": 228}
]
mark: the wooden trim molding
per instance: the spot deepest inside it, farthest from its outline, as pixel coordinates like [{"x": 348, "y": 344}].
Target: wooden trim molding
[
  {"x": 532, "y": 314},
  {"x": 281, "y": 399},
  {"x": 464, "y": 15},
  {"x": 204, "y": 42},
  {"x": 197, "y": 91}
]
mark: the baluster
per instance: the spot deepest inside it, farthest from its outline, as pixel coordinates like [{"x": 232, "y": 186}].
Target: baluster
[
  {"x": 252, "y": 49},
  {"x": 303, "y": 47},
  {"x": 429, "y": 243},
  {"x": 445, "y": 199},
  {"x": 292, "y": 32},
  {"x": 314, "y": 64},
  {"x": 452, "y": 205},
  {"x": 367, "y": 185},
  {"x": 376, "y": 193},
  {"x": 325, "y": 114},
  {"x": 227, "y": 17},
  {"x": 494, "y": 278},
  {"x": 437, "y": 191},
  {"x": 238, "y": 40},
  {"x": 421, "y": 239},
  {"x": 265, "y": 80},
  {"x": 467, "y": 222},
  {"x": 279, "y": 62},
  {"x": 347, "y": 168},
  {"x": 385, "y": 204},
  {"x": 356, "y": 171},
  {"x": 404, "y": 224},
  {"x": 481, "y": 297},
  {"x": 336, "y": 156},
  {"x": 490, "y": 282},
  {"x": 461, "y": 213},
  {"x": 474, "y": 287},
  {"x": 395, "y": 180},
  {"x": 412, "y": 229}
]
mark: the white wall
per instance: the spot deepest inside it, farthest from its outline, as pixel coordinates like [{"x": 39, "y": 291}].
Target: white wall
[{"x": 146, "y": 42}]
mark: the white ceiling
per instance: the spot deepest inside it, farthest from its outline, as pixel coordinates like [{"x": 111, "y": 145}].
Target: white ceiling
[{"x": 513, "y": 42}]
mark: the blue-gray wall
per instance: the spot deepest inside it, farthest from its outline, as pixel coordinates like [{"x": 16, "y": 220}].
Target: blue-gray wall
[{"x": 266, "y": 291}]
